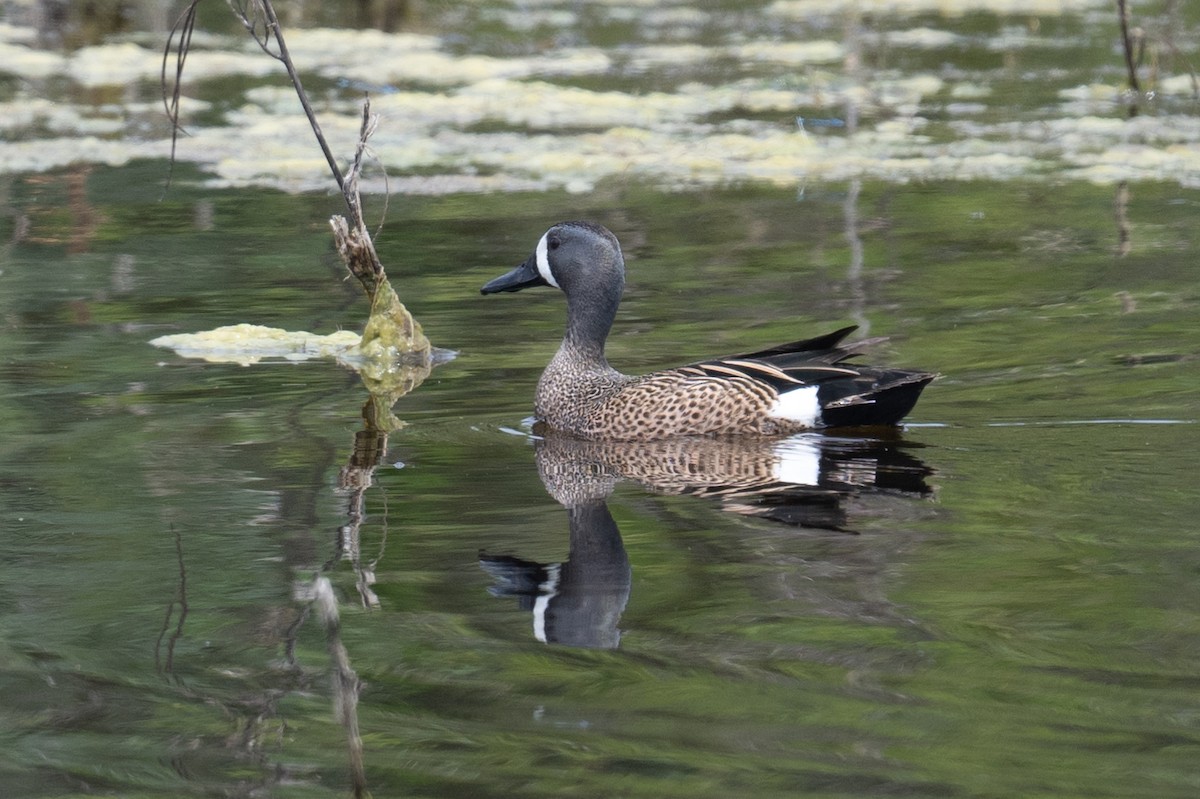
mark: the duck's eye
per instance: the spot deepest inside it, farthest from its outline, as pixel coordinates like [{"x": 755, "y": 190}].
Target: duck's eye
[{"x": 552, "y": 242}]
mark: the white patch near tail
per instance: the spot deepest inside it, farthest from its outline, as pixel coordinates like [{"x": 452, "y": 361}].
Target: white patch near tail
[
  {"x": 547, "y": 590},
  {"x": 799, "y": 461},
  {"x": 543, "y": 262},
  {"x": 798, "y": 405}
]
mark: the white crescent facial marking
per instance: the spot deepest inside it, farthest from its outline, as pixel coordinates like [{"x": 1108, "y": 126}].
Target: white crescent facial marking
[
  {"x": 543, "y": 262},
  {"x": 798, "y": 405}
]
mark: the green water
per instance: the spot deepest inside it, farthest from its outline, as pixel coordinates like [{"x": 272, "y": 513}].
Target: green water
[
  {"x": 1026, "y": 629},
  {"x": 1000, "y": 602}
]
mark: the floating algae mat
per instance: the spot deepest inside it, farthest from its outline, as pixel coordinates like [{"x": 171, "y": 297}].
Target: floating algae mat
[
  {"x": 248, "y": 344},
  {"x": 790, "y": 93},
  {"x": 388, "y": 370}
]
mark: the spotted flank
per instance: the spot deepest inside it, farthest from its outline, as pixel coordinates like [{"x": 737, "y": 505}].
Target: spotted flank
[{"x": 801, "y": 385}]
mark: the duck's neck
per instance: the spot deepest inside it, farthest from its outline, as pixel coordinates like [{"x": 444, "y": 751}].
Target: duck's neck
[{"x": 588, "y": 323}]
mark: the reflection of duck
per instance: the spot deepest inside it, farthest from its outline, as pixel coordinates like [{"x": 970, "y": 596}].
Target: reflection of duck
[
  {"x": 577, "y": 602},
  {"x": 805, "y": 480},
  {"x": 797, "y": 386}
]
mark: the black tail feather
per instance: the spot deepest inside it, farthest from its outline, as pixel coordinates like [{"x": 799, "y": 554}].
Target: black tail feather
[
  {"x": 813, "y": 346},
  {"x": 882, "y": 405}
]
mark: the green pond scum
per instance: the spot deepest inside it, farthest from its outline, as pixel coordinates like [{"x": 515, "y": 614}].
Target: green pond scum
[{"x": 568, "y": 98}]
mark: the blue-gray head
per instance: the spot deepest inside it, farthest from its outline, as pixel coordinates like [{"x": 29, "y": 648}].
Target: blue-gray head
[
  {"x": 584, "y": 260},
  {"x": 581, "y": 258}
]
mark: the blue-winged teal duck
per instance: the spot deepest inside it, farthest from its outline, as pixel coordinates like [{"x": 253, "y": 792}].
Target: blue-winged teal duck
[{"x": 798, "y": 386}]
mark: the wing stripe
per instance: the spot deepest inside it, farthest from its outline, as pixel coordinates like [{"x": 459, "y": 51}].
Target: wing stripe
[
  {"x": 837, "y": 370},
  {"x": 765, "y": 368},
  {"x": 727, "y": 370}
]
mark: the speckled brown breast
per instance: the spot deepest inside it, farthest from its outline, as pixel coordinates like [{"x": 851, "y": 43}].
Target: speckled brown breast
[{"x": 654, "y": 406}]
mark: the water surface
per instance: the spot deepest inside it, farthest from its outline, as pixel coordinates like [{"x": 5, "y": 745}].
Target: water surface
[{"x": 999, "y": 602}]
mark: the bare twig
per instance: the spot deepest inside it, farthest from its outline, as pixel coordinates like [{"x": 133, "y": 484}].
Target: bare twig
[
  {"x": 262, "y": 32},
  {"x": 183, "y": 27},
  {"x": 250, "y": 20},
  {"x": 1121, "y": 201},
  {"x": 1130, "y": 60},
  {"x": 352, "y": 238},
  {"x": 277, "y": 32}
]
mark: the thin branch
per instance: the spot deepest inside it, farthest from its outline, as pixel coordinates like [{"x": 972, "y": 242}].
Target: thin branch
[
  {"x": 1130, "y": 60},
  {"x": 259, "y": 19},
  {"x": 277, "y": 32},
  {"x": 352, "y": 238},
  {"x": 251, "y": 24},
  {"x": 184, "y": 26},
  {"x": 262, "y": 35},
  {"x": 370, "y": 122}
]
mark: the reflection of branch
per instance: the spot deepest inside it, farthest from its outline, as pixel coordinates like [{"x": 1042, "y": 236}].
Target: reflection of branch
[
  {"x": 345, "y": 681},
  {"x": 370, "y": 445},
  {"x": 293, "y": 632},
  {"x": 1121, "y": 212},
  {"x": 1168, "y": 39},
  {"x": 168, "y": 666}
]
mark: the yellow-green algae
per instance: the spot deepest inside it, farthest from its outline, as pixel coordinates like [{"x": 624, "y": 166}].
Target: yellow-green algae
[
  {"x": 472, "y": 122},
  {"x": 247, "y": 344},
  {"x": 391, "y": 359},
  {"x": 947, "y": 8}
]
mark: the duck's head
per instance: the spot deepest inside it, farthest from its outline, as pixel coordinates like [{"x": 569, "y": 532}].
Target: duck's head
[{"x": 581, "y": 258}]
